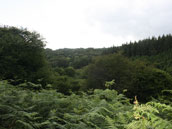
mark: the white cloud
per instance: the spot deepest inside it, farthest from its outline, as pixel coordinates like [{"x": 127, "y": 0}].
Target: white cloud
[{"x": 89, "y": 23}]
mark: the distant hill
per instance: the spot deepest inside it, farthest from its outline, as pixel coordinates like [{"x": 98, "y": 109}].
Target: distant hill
[{"x": 154, "y": 50}]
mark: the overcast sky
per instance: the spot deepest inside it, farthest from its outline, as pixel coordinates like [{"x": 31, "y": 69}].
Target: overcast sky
[{"x": 89, "y": 23}]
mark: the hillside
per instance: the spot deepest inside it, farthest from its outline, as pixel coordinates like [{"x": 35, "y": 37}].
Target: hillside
[{"x": 126, "y": 87}]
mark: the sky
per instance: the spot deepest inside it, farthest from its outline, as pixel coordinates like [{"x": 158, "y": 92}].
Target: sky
[{"x": 89, "y": 23}]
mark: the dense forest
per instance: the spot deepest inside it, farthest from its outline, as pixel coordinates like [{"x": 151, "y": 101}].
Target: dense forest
[{"x": 125, "y": 87}]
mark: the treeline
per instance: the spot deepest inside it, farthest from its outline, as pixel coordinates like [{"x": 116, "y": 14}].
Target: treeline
[{"x": 146, "y": 47}]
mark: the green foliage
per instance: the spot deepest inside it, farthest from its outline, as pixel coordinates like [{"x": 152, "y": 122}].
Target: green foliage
[
  {"x": 70, "y": 71},
  {"x": 38, "y": 97},
  {"x": 151, "y": 115},
  {"x": 66, "y": 85},
  {"x": 107, "y": 68},
  {"x": 109, "y": 84},
  {"x": 149, "y": 82},
  {"x": 162, "y": 60},
  {"x": 15, "y": 112},
  {"x": 31, "y": 86},
  {"x": 134, "y": 76},
  {"x": 148, "y": 47},
  {"x": 22, "y": 55},
  {"x": 142, "y": 74},
  {"x": 77, "y": 58},
  {"x": 102, "y": 109},
  {"x": 49, "y": 109}
]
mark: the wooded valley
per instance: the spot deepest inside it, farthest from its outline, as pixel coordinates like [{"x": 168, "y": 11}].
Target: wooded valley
[{"x": 125, "y": 87}]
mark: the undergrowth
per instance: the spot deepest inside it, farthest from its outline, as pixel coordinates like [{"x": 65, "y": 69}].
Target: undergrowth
[{"x": 101, "y": 109}]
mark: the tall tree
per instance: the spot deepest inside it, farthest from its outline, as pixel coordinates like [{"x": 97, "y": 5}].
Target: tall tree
[{"x": 21, "y": 54}]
